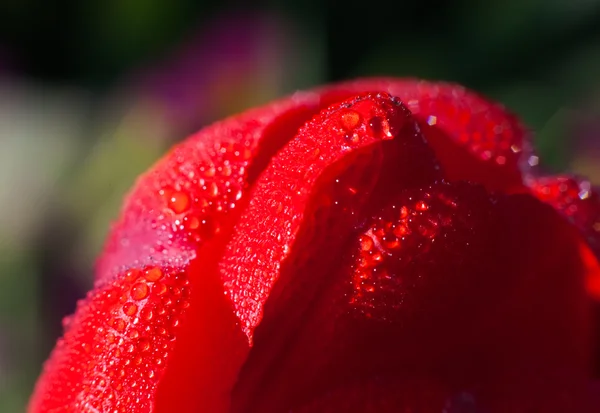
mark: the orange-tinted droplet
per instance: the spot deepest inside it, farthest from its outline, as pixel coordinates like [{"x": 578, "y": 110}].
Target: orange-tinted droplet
[
  {"x": 350, "y": 120},
  {"x": 366, "y": 242},
  {"x": 403, "y": 212},
  {"x": 213, "y": 189},
  {"x": 132, "y": 275},
  {"x": 144, "y": 345},
  {"x": 422, "y": 206},
  {"x": 381, "y": 127},
  {"x": 191, "y": 222},
  {"x": 119, "y": 325},
  {"x": 137, "y": 360},
  {"x": 179, "y": 202},
  {"x": 146, "y": 314},
  {"x": 159, "y": 289},
  {"x": 130, "y": 309},
  {"x": 153, "y": 274},
  {"x": 139, "y": 291}
]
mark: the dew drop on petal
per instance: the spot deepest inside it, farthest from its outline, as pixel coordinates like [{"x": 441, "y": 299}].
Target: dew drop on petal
[
  {"x": 146, "y": 314},
  {"x": 144, "y": 345},
  {"x": 350, "y": 120},
  {"x": 381, "y": 127},
  {"x": 191, "y": 222},
  {"x": 179, "y": 202},
  {"x": 159, "y": 289},
  {"x": 139, "y": 291},
  {"x": 130, "y": 309},
  {"x": 131, "y": 276},
  {"x": 119, "y": 325},
  {"x": 153, "y": 274}
]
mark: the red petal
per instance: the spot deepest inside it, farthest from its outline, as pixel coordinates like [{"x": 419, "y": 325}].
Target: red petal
[
  {"x": 474, "y": 138},
  {"x": 182, "y": 213},
  {"x": 334, "y": 156},
  {"x": 176, "y": 220},
  {"x": 579, "y": 202},
  {"x": 442, "y": 286},
  {"x": 394, "y": 396},
  {"x": 114, "y": 351}
]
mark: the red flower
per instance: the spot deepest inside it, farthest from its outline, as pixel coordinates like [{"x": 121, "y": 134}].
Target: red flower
[{"x": 369, "y": 246}]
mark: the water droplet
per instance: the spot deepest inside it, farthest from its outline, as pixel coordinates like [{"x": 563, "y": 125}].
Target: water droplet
[
  {"x": 139, "y": 291},
  {"x": 132, "y": 275},
  {"x": 350, "y": 120},
  {"x": 119, "y": 324},
  {"x": 226, "y": 170},
  {"x": 366, "y": 242},
  {"x": 146, "y": 314},
  {"x": 210, "y": 171},
  {"x": 391, "y": 242},
  {"x": 144, "y": 345},
  {"x": 178, "y": 202},
  {"x": 153, "y": 274},
  {"x": 159, "y": 289},
  {"x": 352, "y": 138},
  {"x": 130, "y": 309},
  {"x": 381, "y": 127},
  {"x": 213, "y": 190}
]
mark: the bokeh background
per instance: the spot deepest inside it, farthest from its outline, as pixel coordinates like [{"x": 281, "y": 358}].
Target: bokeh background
[{"x": 92, "y": 92}]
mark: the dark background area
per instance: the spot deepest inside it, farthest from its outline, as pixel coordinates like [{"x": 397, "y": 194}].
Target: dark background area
[{"x": 92, "y": 92}]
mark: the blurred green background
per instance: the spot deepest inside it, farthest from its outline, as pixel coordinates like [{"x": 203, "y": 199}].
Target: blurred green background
[{"x": 92, "y": 92}]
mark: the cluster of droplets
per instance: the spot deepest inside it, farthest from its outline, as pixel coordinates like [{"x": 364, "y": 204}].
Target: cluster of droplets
[
  {"x": 278, "y": 212},
  {"x": 195, "y": 202},
  {"x": 353, "y": 125},
  {"x": 576, "y": 199},
  {"x": 394, "y": 253},
  {"x": 126, "y": 338},
  {"x": 485, "y": 130}
]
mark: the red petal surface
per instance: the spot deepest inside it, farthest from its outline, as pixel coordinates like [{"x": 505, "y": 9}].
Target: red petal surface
[
  {"x": 176, "y": 220},
  {"x": 474, "y": 138},
  {"x": 340, "y": 138},
  {"x": 444, "y": 290},
  {"x": 579, "y": 202},
  {"x": 204, "y": 235}
]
